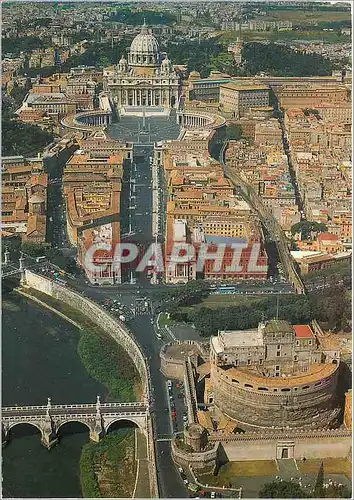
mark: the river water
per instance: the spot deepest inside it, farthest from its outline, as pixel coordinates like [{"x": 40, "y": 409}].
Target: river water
[{"x": 39, "y": 361}]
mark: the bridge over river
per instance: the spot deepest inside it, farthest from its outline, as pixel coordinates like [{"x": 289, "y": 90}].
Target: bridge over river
[{"x": 97, "y": 417}]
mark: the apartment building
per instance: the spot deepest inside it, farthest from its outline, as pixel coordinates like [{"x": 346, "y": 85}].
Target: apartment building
[
  {"x": 92, "y": 184},
  {"x": 24, "y": 198},
  {"x": 177, "y": 272},
  {"x": 264, "y": 166},
  {"x": 268, "y": 133},
  {"x": 203, "y": 202},
  {"x": 335, "y": 113},
  {"x": 204, "y": 258},
  {"x": 312, "y": 261},
  {"x": 52, "y": 103},
  {"x": 321, "y": 157},
  {"x": 206, "y": 89}
]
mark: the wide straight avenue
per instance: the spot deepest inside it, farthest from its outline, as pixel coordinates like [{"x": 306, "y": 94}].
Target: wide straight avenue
[{"x": 170, "y": 482}]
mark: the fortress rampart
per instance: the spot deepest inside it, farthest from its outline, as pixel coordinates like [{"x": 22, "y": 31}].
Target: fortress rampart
[
  {"x": 173, "y": 366},
  {"x": 205, "y": 460},
  {"x": 297, "y": 444},
  {"x": 298, "y": 401}
]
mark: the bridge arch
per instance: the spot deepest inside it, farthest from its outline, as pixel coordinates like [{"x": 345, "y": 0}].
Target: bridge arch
[
  {"x": 11, "y": 426},
  {"x": 121, "y": 420},
  {"x": 74, "y": 420}
]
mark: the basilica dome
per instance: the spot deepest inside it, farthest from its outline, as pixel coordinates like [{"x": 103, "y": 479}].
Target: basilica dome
[{"x": 144, "y": 50}]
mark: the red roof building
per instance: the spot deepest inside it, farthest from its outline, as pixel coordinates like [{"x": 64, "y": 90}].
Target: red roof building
[{"x": 303, "y": 331}]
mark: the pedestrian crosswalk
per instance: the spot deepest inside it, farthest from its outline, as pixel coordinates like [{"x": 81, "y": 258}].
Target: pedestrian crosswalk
[{"x": 142, "y": 307}]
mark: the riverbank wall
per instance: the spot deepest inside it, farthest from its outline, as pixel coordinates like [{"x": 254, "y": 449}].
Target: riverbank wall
[
  {"x": 47, "y": 306},
  {"x": 116, "y": 330}
]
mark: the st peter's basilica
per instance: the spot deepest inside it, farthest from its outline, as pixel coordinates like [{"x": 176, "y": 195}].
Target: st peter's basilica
[{"x": 147, "y": 78}]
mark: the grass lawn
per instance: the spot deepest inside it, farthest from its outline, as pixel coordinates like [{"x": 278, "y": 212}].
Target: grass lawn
[
  {"x": 330, "y": 465},
  {"x": 109, "y": 467},
  {"x": 164, "y": 320},
  {"x": 248, "y": 468},
  {"x": 326, "y": 36},
  {"x": 273, "y": 36},
  {"x": 216, "y": 301},
  {"x": 304, "y": 15}
]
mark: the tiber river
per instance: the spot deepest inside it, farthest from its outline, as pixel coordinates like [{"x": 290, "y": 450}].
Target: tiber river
[{"x": 40, "y": 361}]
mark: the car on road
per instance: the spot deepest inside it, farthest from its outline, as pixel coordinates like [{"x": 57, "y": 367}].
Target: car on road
[
  {"x": 212, "y": 494},
  {"x": 183, "y": 475}
]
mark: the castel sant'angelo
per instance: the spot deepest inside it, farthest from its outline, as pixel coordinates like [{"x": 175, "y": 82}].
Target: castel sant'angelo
[
  {"x": 278, "y": 375},
  {"x": 276, "y": 391}
]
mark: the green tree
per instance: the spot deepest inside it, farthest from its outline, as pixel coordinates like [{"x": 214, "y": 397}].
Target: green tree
[
  {"x": 15, "y": 45},
  {"x": 282, "y": 489},
  {"x": 126, "y": 16},
  {"x": 319, "y": 490},
  {"x": 20, "y": 138},
  {"x": 33, "y": 249},
  {"x": 68, "y": 264},
  {"x": 282, "y": 61},
  {"x": 110, "y": 364},
  {"x": 12, "y": 244},
  {"x": 335, "y": 491},
  {"x": 224, "y": 63},
  {"x": 307, "y": 227},
  {"x": 233, "y": 132},
  {"x": 333, "y": 307}
]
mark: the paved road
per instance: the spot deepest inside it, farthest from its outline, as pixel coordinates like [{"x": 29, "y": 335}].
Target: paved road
[{"x": 170, "y": 482}]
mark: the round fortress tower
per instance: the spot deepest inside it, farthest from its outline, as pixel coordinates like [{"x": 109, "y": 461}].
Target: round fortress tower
[{"x": 275, "y": 376}]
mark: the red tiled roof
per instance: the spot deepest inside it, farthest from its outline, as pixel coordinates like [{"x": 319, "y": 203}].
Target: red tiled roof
[
  {"x": 303, "y": 331},
  {"x": 327, "y": 237}
]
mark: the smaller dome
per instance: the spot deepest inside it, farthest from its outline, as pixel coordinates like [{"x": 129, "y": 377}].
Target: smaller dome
[{"x": 194, "y": 74}]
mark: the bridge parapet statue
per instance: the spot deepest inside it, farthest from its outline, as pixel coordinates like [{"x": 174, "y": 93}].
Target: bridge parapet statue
[{"x": 97, "y": 417}]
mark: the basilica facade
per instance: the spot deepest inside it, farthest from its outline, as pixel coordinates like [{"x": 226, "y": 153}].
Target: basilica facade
[{"x": 147, "y": 78}]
